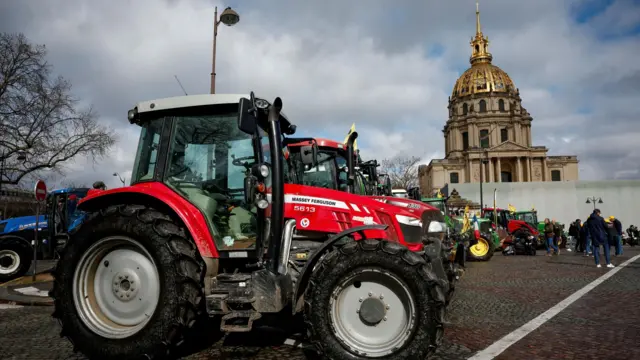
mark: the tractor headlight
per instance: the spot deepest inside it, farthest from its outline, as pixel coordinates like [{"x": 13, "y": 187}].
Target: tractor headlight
[
  {"x": 264, "y": 171},
  {"x": 436, "y": 227},
  {"x": 261, "y": 103},
  {"x": 407, "y": 220},
  {"x": 531, "y": 237},
  {"x": 262, "y": 203}
]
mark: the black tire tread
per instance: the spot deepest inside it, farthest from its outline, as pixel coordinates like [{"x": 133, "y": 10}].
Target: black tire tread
[
  {"x": 179, "y": 256},
  {"x": 430, "y": 330},
  {"x": 24, "y": 249}
]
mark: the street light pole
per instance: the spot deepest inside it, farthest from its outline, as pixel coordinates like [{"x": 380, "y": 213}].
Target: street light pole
[
  {"x": 121, "y": 179},
  {"x": 229, "y": 18},
  {"x": 593, "y": 200},
  {"x": 483, "y": 161}
]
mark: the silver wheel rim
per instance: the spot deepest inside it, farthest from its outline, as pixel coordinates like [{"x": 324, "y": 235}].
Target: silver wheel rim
[
  {"x": 116, "y": 287},
  {"x": 373, "y": 312},
  {"x": 11, "y": 258}
]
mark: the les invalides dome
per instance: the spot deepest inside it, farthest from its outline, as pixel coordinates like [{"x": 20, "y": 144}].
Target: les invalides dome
[{"x": 488, "y": 134}]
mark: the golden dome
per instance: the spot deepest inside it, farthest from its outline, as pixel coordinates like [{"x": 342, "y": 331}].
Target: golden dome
[{"x": 482, "y": 77}]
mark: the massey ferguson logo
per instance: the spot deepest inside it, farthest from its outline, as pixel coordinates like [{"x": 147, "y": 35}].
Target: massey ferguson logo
[{"x": 313, "y": 201}]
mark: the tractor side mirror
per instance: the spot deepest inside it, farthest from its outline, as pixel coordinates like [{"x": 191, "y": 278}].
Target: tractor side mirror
[
  {"x": 247, "y": 121},
  {"x": 309, "y": 154}
]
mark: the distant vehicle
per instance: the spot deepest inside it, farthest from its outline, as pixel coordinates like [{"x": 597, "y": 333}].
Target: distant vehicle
[
  {"x": 400, "y": 193},
  {"x": 17, "y": 235}
]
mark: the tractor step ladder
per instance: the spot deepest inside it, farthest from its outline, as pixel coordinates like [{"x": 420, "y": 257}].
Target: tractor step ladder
[{"x": 239, "y": 321}]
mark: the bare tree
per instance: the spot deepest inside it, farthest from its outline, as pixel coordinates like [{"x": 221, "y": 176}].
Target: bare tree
[
  {"x": 42, "y": 126},
  {"x": 402, "y": 171}
]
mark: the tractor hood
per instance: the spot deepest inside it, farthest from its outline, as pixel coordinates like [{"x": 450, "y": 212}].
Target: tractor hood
[
  {"x": 22, "y": 223},
  {"x": 413, "y": 206}
]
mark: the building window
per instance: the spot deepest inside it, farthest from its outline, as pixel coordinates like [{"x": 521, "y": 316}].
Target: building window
[
  {"x": 465, "y": 140},
  {"x": 465, "y": 109},
  {"x": 504, "y": 135},
  {"x": 483, "y": 106},
  {"x": 555, "y": 175},
  {"x": 484, "y": 138},
  {"x": 501, "y": 105},
  {"x": 453, "y": 178}
]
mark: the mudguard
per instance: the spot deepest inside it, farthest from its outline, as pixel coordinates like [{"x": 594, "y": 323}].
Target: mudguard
[{"x": 313, "y": 260}]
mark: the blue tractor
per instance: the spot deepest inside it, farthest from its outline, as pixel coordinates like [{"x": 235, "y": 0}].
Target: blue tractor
[{"x": 17, "y": 235}]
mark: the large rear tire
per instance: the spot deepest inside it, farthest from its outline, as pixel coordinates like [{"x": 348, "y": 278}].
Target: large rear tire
[
  {"x": 15, "y": 258},
  {"x": 483, "y": 250},
  {"x": 128, "y": 285},
  {"x": 374, "y": 299}
]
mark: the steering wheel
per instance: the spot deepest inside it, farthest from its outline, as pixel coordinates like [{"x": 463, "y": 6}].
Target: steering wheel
[{"x": 239, "y": 161}]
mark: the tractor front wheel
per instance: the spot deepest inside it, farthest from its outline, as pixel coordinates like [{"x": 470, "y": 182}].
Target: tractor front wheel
[
  {"x": 128, "y": 284},
  {"x": 374, "y": 299},
  {"x": 15, "y": 258},
  {"x": 483, "y": 250}
]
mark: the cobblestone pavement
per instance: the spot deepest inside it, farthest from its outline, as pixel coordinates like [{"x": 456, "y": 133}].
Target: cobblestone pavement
[{"x": 494, "y": 298}]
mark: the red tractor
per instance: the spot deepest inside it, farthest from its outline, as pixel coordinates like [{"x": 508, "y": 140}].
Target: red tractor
[
  {"x": 210, "y": 230},
  {"x": 508, "y": 226}
]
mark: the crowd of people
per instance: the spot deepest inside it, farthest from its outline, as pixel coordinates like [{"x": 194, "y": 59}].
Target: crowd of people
[{"x": 597, "y": 232}]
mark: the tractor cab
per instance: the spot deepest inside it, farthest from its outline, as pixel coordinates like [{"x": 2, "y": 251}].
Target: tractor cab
[
  {"x": 62, "y": 215},
  {"x": 530, "y": 217}
]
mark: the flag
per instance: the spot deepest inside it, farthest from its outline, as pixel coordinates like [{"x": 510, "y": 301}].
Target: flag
[
  {"x": 533, "y": 208},
  {"x": 439, "y": 195},
  {"x": 512, "y": 209},
  {"x": 465, "y": 220},
  {"x": 351, "y": 130},
  {"x": 476, "y": 227}
]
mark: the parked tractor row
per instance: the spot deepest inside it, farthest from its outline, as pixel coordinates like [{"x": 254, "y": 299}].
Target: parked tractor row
[{"x": 230, "y": 218}]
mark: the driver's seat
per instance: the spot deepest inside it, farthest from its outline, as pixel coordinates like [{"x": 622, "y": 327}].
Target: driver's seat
[{"x": 200, "y": 198}]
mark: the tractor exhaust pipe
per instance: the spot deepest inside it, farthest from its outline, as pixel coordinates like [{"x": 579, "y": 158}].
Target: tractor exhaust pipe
[
  {"x": 351, "y": 171},
  {"x": 274, "y": 251}
]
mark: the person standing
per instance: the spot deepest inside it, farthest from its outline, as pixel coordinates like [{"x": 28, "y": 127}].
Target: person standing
[
  {"x": 611, "y": 233},
  {"x": 617, "y": 241},
  {"x": 584, "y": 235},
  {"x": 574, "y": 233},
  {"x": 598, "y": 232},
  {"x": 549, "y": 234},
  {"x": 557, "y": 231}
]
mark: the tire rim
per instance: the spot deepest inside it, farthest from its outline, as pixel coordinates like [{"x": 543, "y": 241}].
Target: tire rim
[
  {"x": 116, "y": 287},
  {"x": 372, "y": 312},
  {"x": 9, "y": 262},
  {"x": 481, "y": 248}
]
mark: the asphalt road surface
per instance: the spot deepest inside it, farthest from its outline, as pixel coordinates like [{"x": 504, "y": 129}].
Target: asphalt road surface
[{"x": 544, "y": 298}]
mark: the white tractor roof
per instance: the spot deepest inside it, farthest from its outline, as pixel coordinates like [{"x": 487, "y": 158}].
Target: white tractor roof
[{"x": 189, "y": 101}]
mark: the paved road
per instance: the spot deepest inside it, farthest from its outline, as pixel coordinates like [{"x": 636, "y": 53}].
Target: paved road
[{"x": 494, "y": 299}]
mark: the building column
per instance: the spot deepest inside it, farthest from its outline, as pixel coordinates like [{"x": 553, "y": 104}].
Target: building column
[
  {"x": 544, "y": 169},
  {"x": 528, "y": 169},
  {"x": 519, "y": 169},
  {"x": 498, "y": 170},
  {"x": 491, "y": 170}
]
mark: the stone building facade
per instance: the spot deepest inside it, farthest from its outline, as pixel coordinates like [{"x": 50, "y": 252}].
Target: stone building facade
[{"x": 488, "y": 133}]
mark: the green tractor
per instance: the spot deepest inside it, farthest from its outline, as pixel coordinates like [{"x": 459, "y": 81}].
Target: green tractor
[
  {"x": 531, "y": 218},
  {"x": 489, "y": 240}
]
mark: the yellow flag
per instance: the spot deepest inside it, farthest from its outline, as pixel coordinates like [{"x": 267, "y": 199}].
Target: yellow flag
[
  {"x": 439, "y": 195},
  {"x": 351, "y": 130},
  {"x": 466, "y": 224},
  {"x": 533, "y": 208},
  {"x": 511, "y": 208}
]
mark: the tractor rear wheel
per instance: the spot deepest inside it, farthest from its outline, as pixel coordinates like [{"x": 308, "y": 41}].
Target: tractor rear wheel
[
  {"x": 15, "y": 258},
  {"x": 128, "y": 285},
  {"x": 483, "y": 250},
  {"x": 374, "y": 299}
]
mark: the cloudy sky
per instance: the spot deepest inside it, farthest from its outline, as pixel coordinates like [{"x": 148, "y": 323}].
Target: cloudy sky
[{"x": 389, "y": 66}]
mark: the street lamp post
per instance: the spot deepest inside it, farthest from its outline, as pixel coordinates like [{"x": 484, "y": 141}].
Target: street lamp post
[
  {"x": 122, "y": 180},
  {"x": 485, "y": 161},
  {"x": 228, "y": 17},
  {"x": 594, "y": 200}
]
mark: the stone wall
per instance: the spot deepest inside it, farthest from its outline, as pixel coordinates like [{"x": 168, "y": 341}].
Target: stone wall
[{"x": 563, "y": 200}]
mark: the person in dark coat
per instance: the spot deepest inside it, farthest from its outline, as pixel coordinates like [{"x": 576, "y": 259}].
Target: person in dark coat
[
  {"x": 617, "y": 237},
  {"x": 611, "y": 233},
  {"x": 598, "y": 233},
  {"x": 574, "y": 231},
  {"x": 586, "y": 239}
]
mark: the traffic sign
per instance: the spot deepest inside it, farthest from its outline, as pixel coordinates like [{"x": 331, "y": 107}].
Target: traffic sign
[{"x": 40, "y": 190}]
